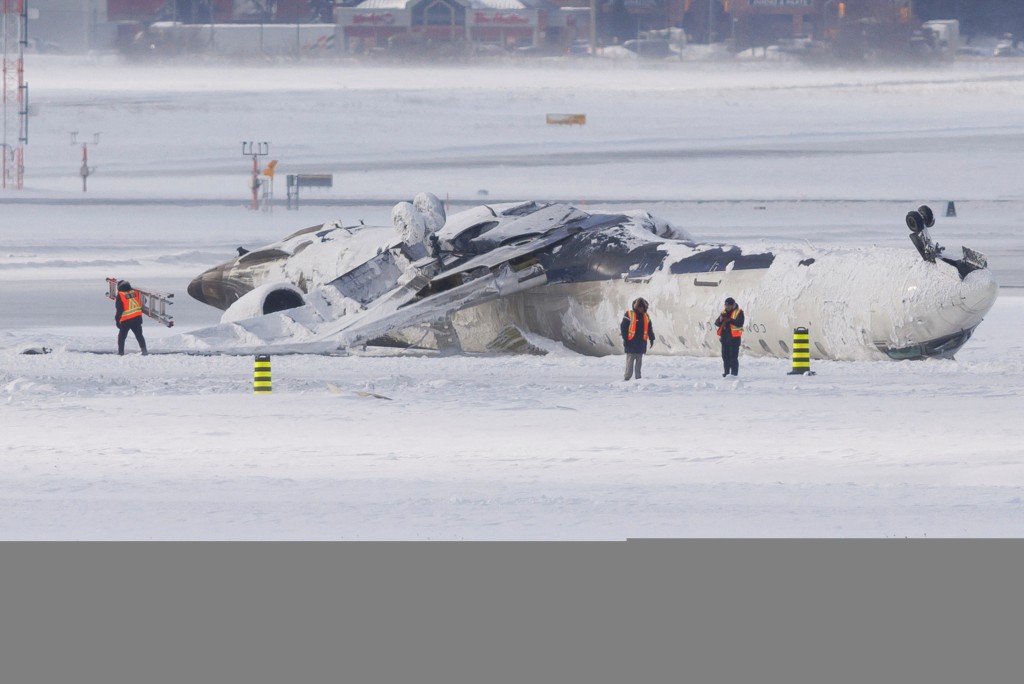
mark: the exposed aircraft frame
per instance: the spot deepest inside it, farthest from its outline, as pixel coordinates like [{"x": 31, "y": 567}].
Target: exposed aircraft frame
[{"x": 506, "y": 277}]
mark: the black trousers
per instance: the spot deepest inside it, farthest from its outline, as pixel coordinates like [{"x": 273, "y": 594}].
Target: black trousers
[
  {"x": 731, "y": 355},
  {"x": 135, "y": 326}
]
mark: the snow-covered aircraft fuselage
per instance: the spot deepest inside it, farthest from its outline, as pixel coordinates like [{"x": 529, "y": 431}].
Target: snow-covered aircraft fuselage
[{"x": 498, "y": 277}]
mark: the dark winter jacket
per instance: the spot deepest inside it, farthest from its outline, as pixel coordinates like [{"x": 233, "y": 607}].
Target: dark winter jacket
[
  {"x": 125, "y": 289},
  {"x": 637, "y": 345},
  {"x": 727, "y": 324}
]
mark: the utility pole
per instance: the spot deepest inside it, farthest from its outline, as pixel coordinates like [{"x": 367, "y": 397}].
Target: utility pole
[
  {"x": 711, "y": 15},
  {"x": 85, "y": 170},
  {"x": 593, "y": 27},
  {"x": 14, "y": 39},
  {"x": 255, "y": 150}
]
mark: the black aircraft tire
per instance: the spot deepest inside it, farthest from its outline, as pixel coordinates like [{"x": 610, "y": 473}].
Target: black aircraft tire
[
  {"x": 926, "y": 213},
  {"x": 915, "y": 222}
]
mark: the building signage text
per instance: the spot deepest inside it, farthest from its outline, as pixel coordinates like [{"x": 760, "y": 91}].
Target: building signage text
[
  {"x": 779, "y": 3},
  {"x": 484, "y": 18},
  {"x": 374, "y": 18},
  {"x": 365, "y": 18}
]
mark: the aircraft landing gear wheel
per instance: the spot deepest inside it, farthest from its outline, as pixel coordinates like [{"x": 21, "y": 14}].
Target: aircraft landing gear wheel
[
  {"x": 915, "y": 222},
  {"x": 926, "y": 213}
]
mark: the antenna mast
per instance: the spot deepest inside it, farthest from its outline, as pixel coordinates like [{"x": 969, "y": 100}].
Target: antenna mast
[{"x": 14, "y": 35}]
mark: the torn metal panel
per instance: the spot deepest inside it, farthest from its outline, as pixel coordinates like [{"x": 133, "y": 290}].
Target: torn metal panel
[{"x": 468, "y": 281}]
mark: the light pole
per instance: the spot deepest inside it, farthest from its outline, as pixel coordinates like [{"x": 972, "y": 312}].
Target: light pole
[
  {"x": 593, "y": 27},
  {"x": 8, "y": 152},
  {"x": 711, "y": 13},
  {"x": 255, "y": 150},
  {"x": 85, "y": 171}
]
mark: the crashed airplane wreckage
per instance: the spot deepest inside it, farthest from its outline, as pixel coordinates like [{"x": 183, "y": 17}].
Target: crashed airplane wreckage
[{"x": 508, "y": 277}]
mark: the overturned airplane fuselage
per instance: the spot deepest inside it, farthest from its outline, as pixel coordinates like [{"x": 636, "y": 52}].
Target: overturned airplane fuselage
[{"x": 487, "y": 278}]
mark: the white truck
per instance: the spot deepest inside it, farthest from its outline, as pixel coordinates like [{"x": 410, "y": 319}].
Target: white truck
[{"x": 946, "y": 35}]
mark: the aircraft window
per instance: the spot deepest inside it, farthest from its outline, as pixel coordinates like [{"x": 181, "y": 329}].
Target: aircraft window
[
  {"x": 913, "y": 352},
  {"x": 784, "y": 347},
  {"x": 820, "y": 350},
  {"x": 938, "y": 347},
  {"x": 943, "y": 347},
  {"x": 682, "y": 340},
  {"x": 764, "y": 345}
]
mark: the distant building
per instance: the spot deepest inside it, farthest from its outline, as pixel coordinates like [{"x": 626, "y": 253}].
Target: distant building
[
  {"x": 73, "y": 26},
  {"x": 419, "y": 25},
  {"x": 850, "y": 28},
  {"x": 204, "y": 11},
  {"x": 744, "y": 23},
  {"x": 810, "y": 18}
]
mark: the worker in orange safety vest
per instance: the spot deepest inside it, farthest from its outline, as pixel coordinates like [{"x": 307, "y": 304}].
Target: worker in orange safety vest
[
  {"x": 128, "y": 315},
  {"x": 637, "y": 330},
  {"x": 730, "y": 334}
]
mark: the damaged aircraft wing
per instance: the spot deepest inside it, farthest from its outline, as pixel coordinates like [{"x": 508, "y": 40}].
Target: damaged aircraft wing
[{"x": 488, "y": 277}]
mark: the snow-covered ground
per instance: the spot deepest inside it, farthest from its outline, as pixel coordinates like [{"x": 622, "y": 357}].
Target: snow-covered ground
[{"x": 96, "y": 446}]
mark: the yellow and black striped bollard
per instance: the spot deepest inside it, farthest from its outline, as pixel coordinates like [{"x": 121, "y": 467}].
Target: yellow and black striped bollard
[
  {"x": 801, "y": 352},
  {"x": 261, "y": 375}
]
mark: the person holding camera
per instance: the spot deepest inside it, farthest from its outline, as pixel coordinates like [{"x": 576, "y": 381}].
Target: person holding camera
[
  {"x": 637, "y": 330},
  {"x": 730, "y": 333}
]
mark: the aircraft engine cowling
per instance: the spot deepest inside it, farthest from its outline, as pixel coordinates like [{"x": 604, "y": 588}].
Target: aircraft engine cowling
[
  {"x": 263, "y": 300},
  {"x": 432, "y": 209}
]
